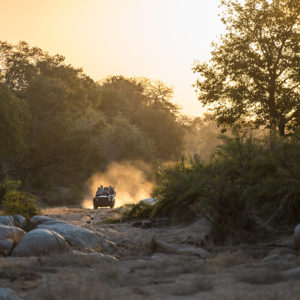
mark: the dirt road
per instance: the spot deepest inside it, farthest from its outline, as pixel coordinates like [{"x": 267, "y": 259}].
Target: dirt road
[{"x": 155, "y": 262}]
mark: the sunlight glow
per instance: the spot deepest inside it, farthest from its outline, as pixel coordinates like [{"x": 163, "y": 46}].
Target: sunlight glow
[{"x": 159, "y": 39}]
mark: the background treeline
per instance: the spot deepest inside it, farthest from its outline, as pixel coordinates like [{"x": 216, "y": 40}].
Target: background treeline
[{"x": 58, "y": 126}]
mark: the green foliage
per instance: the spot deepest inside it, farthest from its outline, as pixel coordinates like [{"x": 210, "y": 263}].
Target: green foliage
[
  {"x": 13, "y": 202},
  {"x": 138, "y": 211},
  {"x": 59, "y": 126},
  {"x": 6, "y": 186},
  {"x": 14, "y": 125},
  {"x": 246, "y": 192},
  {"x": 147, "y": 105},
  {"x": 253, "y": 75},
  {"x": 178, "y": 187},
  {"x": 123, "y": 140}
]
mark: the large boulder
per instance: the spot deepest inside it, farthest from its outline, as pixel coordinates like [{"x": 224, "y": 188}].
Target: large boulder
[
  {"x": 9, "y": 236},
  {"x": 76, "y": 236},
  {"x": 297, "y": 237},
  {"x": 8, "y": 294},
  {"x": 40, "y": 242},
  {"x": 16, "y": 220}
]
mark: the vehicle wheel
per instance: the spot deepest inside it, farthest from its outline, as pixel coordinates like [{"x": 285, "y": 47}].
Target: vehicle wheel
[
  {"x": 111, "y": 205},
  {"x": 95, "y": 205}
]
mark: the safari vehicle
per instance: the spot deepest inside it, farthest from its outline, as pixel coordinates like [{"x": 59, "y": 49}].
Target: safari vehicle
[{"x": 104, "y": 197}]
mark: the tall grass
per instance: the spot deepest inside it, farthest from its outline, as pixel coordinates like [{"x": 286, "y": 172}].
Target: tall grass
[{"x": 247, "y": 191}]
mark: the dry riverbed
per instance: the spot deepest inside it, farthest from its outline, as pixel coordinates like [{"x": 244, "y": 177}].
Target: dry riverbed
[{"x": 155, "y": 262}]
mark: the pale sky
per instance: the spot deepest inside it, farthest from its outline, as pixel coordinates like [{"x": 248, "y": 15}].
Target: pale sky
[{"x": 158, "y": 39}]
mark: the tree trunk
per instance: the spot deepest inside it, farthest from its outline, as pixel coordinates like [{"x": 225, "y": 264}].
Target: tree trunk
[{"x": 281, "y": 127}]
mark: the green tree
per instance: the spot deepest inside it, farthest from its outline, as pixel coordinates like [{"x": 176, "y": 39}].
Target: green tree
[
  {"x": 253, "y": 75},
  {"x": 164, "y": 130},
  {"x": 147, "y": 105},
  {"x": 62, "y": 101},
  {"x": 123, "y": 140},
  {"x": 14, "y": 129},
  {"x": 21, "y": 63},
  {"x": 58, "y": 104}
]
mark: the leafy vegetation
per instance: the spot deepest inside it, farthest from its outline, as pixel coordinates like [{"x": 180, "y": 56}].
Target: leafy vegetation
[
  {"x": 248, "y": 190},
  {"x": 253, "y": 74},
  {"x": 14, "y": 202},
  {"x": 138, "y": 211},
  {"x": 59, "y": 126}
]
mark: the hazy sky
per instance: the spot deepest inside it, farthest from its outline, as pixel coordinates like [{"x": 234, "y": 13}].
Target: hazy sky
[{"x": 159, "y": 39}]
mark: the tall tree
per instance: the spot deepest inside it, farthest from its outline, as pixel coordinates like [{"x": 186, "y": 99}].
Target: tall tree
[
  {"x": 253, "y": 75},
  {"x": 147, "y": 105},
  {"x": 14, "y": 130},
  {"x": 60, "y": 102}
]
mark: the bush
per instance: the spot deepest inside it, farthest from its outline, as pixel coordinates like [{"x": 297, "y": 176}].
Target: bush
[
  {"x": 247, "y": 191},
  {"x": 8, "y": 185},
  {"x": 16, "y": 203},
  {"x": 13, "y": 202},
  {"x": 138, "y": 211},
  {"x": 178, "y": 187}
]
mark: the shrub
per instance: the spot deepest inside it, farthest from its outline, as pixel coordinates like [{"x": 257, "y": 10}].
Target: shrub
[
  {"x": 247, "y": 191},
  {"x": 15, "y": 202},
  {"x": 178, "y": 187},
  {"x": 139, "y": 211},
  {"x": 8, "y": 185}
]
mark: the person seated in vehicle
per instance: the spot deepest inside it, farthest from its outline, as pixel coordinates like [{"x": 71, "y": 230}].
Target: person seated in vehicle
[
  {"x": 112, "y": 190},
  {"x": 112, "y": 193},
  {"x": 99, "y": 190},
  {"x": 106, "y": 191}
]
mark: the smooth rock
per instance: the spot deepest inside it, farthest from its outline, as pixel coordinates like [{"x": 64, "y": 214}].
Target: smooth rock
[
  {"x": 40, "y": 242},
  {"x": 297, "y": 237},
  {"x": 9, "y": 236},
  {"x": 8, "y": 294},
  {"x": 76, "y": 236},
  {"x": 6, "y": 246},
  {"x": 293, "y": 274},
  {"x": 16, "y": 220}
]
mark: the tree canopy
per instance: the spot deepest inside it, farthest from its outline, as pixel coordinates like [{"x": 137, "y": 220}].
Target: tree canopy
[
  {"x": 253, "y": 76},
  {"x": 58, "y": 126}
]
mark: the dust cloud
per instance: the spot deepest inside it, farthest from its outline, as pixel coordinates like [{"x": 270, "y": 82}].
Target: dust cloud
[
  {"x": 202, "y": 138},
  {"x": 129, "y": 180}
]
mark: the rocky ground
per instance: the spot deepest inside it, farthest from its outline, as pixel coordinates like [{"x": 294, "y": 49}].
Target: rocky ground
[{"x": 154, "y": 261}]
